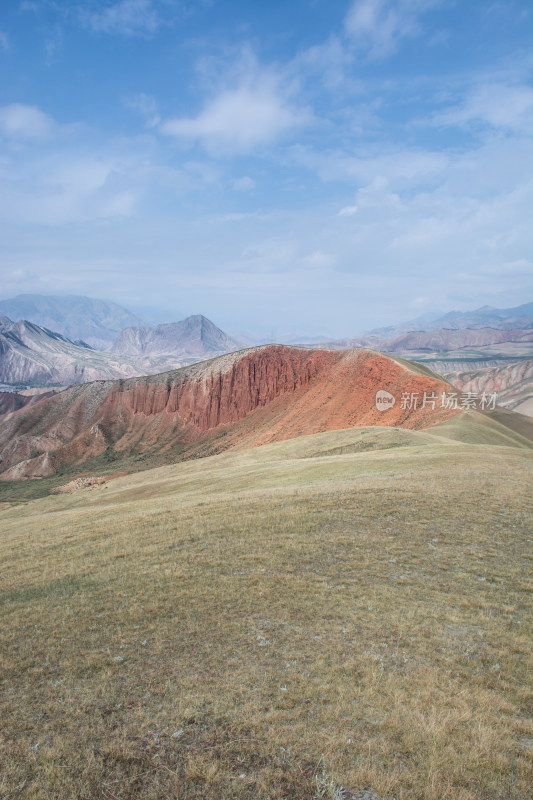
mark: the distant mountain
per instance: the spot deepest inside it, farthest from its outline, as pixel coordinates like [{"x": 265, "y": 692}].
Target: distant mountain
[
  {"x": 437, "y": 341},
  {"x": 454, "y": 339},
  {"x": 484, "y": 317},
  {"x": 96, "y": 322},
  {"x": 32, "y": 354},
  {"x": 195, "y": 336}
]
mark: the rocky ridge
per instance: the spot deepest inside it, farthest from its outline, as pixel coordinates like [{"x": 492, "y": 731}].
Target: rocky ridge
[{"x": 242, "y": 399}]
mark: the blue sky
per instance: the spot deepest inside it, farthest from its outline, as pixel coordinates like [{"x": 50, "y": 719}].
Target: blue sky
[{"x": 305, "y": 167}]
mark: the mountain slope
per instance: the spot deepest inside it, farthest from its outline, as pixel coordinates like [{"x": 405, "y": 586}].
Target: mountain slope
[
  {"x": 13, "y": 401},
  {"x": 97, "y": 322},
  {"x": 473, "y": 359},
  {"x": 513, "y": 384},
  {"x": 29, "y": 353},
  {"x": 242, "y": 399}
]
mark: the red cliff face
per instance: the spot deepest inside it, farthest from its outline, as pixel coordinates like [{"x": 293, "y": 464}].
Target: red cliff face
[
  {"x": 238, "y": 400},
  {"x": 216, "y": 395}
]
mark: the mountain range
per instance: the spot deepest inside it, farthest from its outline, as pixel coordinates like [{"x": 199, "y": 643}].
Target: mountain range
[
  {"x": 513, "y": 384},
  {"x": 100, "y": 322},
  {"x": 442, "y": 340},
  {"x": 242, "y": 399},
  {"x": 96, "y": 322},
  {"x": 485, "y": 347},
  {"x": 30, "y": 353},
  {"x": 484, "y": 317}
]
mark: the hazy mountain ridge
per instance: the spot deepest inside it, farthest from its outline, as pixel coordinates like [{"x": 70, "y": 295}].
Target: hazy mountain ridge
[
  {"x": 97, "y": 322},
  {"x": 194, "y": 336},
  {"x": 518, "y": 317},
  {"x": 444, "y": 339},
  {"x": 32, "y": 354}
]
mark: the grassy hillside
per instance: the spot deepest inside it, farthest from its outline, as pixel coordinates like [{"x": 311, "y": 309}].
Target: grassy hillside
[
  {"x": 348, "y": 609},
  {"x": 500, "y": 427}
]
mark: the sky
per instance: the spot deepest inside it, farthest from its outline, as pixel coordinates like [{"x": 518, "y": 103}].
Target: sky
[{"x": 306, "y": 167}]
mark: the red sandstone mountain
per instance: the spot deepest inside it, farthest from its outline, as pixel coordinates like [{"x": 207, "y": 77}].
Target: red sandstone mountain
[
  {"x": 475, "y": 360},
  {"x": 242, "y": 399},
  {"x": 12, "y": 401}
]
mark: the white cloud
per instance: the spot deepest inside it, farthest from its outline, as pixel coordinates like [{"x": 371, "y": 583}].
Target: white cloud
[
  {"x": 319, "y": 260},
  {"x": 420, "y": 302},
  {"x": 237, "y": 120},
  {"x": 4, "y": 42},
  {"x": 64, "y": 187},
  {"x": 378, "y": 26},
  {"x": 22, "y": 122},
  {"x": 347, "y": 211},
  {"x": 327, "y": 62},
  {"x": 146, "y": 105},
  {"x": 377, "y": 195},
  {"x": 55, "y": 174},
  {"x": 408, "y": 166},
  {"x": 127, "y": 18},
  {"x": 244, "y": 184},
  {"x": 497, "y": 104}
]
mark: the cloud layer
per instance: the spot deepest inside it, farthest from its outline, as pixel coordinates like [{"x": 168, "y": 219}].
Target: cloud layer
[{"x": 321, "y": 181}]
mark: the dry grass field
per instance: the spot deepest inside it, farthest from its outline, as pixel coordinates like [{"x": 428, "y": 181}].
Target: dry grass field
[{"x": 340, "y": 615}]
